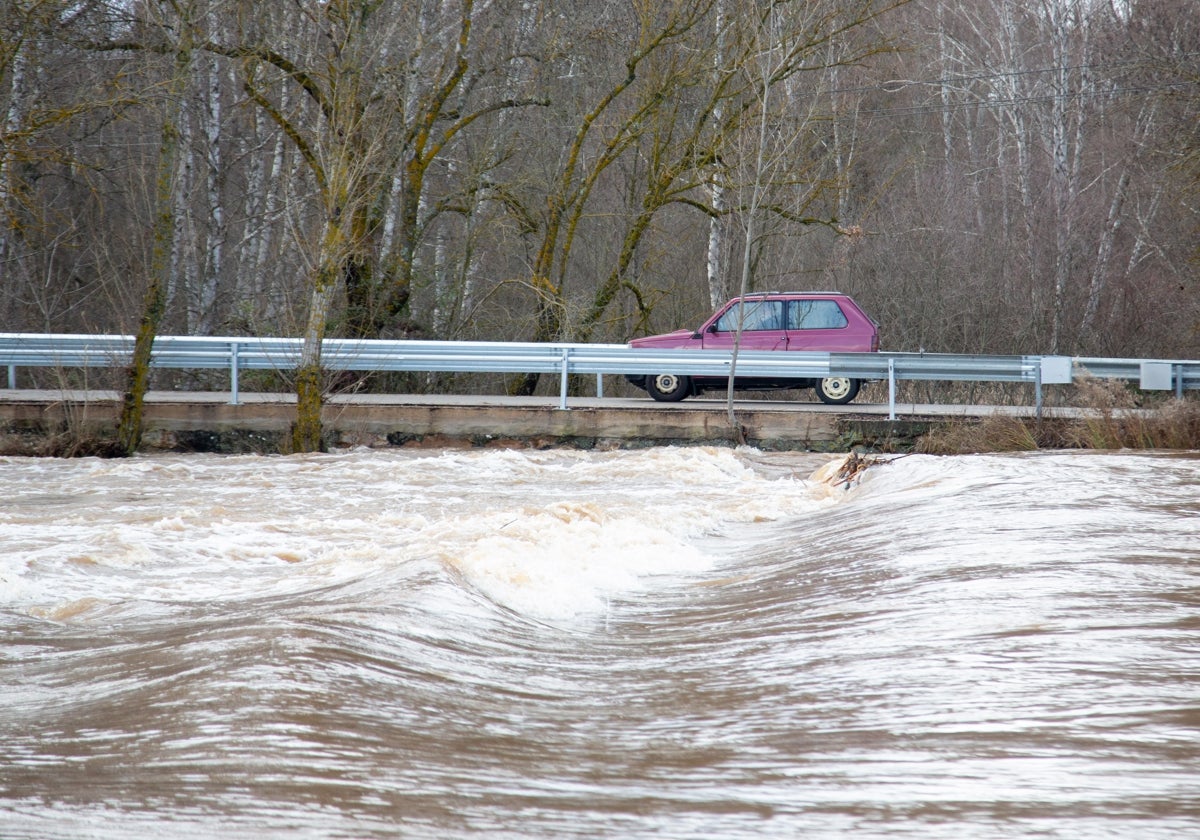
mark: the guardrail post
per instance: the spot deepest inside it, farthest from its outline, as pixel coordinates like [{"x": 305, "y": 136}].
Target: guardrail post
[
  {"x": 12, "y": 376},
  {"x": 1052, "y": 370},
  {"x": 1037, "y": 379},
  {"x": 1177, "y": 371},
  {"x": 891, "y": 389},
  {"x": 600, "y": 385},
  {"x": 233, "y": 373},
  {"x": 562, "y": 388}
]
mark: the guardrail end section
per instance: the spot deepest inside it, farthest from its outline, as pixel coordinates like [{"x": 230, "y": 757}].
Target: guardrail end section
[
  {"x": 1157, "y": 376},
  {"x": 1056, "y": 370}
]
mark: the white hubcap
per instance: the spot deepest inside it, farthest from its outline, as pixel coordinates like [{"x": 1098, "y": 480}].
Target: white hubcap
[{"x": 836, "y": 387}]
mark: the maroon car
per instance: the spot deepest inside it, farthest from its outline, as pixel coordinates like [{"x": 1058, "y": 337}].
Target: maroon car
[{"x": 821, "y": 321}]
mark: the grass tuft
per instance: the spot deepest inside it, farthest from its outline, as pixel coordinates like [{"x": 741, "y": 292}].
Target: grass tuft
[{"x": 1109, "y": 423}]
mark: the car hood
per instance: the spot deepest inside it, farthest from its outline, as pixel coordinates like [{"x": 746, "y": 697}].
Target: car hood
[{"x": 679, "y": 338}]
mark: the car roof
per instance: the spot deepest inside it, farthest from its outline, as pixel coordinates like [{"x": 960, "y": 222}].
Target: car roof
[{"x": 793, "y": 294}]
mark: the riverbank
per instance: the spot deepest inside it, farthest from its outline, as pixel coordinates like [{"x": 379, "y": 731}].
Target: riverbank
[
  {"x": 83, "y": 424},
  {"x": 45, "y": 423}
]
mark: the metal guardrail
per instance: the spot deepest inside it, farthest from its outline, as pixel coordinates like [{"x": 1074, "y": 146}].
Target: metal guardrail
[
  {"x": 1151, "y": 374},
  {"x": 237, "y": 354}
]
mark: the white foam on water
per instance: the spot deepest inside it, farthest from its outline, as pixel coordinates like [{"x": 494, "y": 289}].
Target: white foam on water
[
  {"x": 569, "y": 557},
  {"x": 549, "y": 534},
  {"x": 566, "y": 558}
]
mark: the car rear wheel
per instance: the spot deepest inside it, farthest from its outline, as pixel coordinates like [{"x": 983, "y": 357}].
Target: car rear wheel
[
  {"x": 668, "y": 387},
  {"x": 836, "y": 390}
]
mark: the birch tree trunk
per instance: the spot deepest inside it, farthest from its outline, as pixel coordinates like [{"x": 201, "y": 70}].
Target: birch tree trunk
[
  {"x": 714, "y": 263},
  {"x": 267, "y": 182},
  {"x": 182, "y": 275},
  {"x": 15, "y": 61},
  {"x": 1143, "y": 127},
  {"x": 214, "y": 259},
  {"x": 1060, "y": 186}
]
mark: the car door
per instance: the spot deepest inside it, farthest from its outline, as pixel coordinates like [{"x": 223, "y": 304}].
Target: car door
[
  {"x": 763, "y": 325},
  {"x": 819, "y": 324}
]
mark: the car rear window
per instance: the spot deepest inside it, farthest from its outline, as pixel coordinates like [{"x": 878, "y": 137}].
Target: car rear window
[{"x": 816, "y": 315}]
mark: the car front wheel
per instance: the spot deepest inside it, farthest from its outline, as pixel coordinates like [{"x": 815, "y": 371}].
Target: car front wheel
[
  {"x": 668, "y": 387},
  {"x": 837, "y": 390}
]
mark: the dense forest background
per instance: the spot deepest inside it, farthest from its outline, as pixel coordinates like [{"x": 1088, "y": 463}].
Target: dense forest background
[{"x": 987, "y": 176}]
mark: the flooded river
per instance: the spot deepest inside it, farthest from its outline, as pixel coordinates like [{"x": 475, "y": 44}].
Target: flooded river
[{"x": 668, "y": 643}]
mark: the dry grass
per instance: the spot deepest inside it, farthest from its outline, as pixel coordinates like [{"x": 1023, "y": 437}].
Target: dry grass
[
  {"x": 1114, "y": 418},
  {"x": 1110, "y": 418},
  {"x": 998, "y": 433},
  {"x": 71, "y": 443},
  {"x": 915, "y": 391},
  {"x": 1173, "y": 425}
]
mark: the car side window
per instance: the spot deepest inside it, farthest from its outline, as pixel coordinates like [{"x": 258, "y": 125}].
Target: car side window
[
  {"x": 759, "y": 315},
  {"x": 816, "y": 315}
]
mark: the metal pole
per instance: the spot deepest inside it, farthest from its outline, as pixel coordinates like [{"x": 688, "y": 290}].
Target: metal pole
[
  {"x": 233, "y": 373},
  {"x": 1176, "y": 371},
  {"x": 562, "y": 388},
  {"x": 600, "y": 385},
  {"x": 12, "y": 376},
  {"x": 1038, "y": 389},
  {"x": 891, "y": 389}
]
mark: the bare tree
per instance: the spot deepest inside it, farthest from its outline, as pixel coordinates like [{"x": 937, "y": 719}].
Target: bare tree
[
  {"x": 19, "y": 30},
  {"x": 129, "y": 426},
  {"x": 1012, "y": 178},
  {"x": 356, "y": 77},
  {"x": 37, "y": 107},
  {"x": 653, "y": 28},
  {"x": 344, "y": 145}
]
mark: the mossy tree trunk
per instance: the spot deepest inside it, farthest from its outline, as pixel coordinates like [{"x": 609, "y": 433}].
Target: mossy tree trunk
[
  {"x": 154, "y": 303},
  {"x": 310, "y": 389}
]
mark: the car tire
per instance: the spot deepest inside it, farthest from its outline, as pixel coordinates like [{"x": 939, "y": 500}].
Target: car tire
[
  {"x": 836, "y": 390},
  {"x": 668, "y": 387}
]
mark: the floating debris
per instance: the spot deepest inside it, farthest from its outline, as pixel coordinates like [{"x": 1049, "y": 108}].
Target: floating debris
[{"x": 850, "y": 470}]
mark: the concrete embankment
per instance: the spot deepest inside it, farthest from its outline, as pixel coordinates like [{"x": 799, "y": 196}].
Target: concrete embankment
[{"x": 261, "y": 422}]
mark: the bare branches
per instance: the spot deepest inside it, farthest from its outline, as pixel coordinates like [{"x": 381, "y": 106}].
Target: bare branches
[{"x": 987, "y": 176}]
